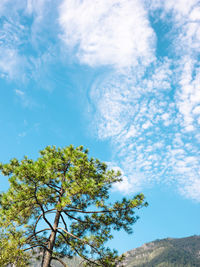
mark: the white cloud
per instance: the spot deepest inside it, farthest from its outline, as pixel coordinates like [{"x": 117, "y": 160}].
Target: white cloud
[
  {"x": 196, "y": 110},
  {"x": 21, "y": 41},
  {"x": 19, "y": 93},
  {"x": 146, "y": 125},
  {"x": 24, "y": 99},
  {"x": 114, "y": 32},
  {"x": 126, "y": 186},
  {"x": 152, "y": 118},
  {"x": 9, "y": 60},
  {"x": 188, "y": 95},
  {"x": 148, "y": 107},
  {"x": 180, "y": 9},
  {"x": 191, "y": 189},
  {"x": 137, "y": 113},
  {"x": 185, "y": 16},
  {"x": 132, "y": 132}
]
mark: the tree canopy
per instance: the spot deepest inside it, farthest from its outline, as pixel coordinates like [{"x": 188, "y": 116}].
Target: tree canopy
[{"x": 59, "y": 204}]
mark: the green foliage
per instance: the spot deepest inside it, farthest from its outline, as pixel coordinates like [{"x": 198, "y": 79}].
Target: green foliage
[
  {"x": 69, "y": 192},
  {"x": 10, "y": 249}
]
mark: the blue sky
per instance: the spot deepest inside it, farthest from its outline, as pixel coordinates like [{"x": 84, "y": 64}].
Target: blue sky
[{"x": 120, "y": 77}]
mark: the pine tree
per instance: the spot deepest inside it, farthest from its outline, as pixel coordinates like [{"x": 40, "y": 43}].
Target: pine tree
[{"x": 59, "y": 204}]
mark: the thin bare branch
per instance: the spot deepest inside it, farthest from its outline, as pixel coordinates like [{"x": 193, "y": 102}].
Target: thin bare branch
[
  {"x": 85, "y": 258},
  {"x": 74, "y": 236},
  {"x": 35, "y": 233},
  {"x": 82, "y": 241},
  {"x": 52, "y": 187},
  {"x": 82, "y": 256},
  {"x": 63, "y": 220},
  {"x": 35, "y": 246},
  {"x": 42, "y": 209},
  {"x": 62, "y": 262},
  {"x": 48, "y": 211},
  {"x": 82, "y": 211},
  {"x": 70, "y": 216}
]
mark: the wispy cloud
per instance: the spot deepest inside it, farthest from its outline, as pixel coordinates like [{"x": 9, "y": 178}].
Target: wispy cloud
[
  {"x": 188, "y": 95},
  {"x": 9, "y": 60},
  {"x": 24, "y": 98},
  {"x": 23, "y": 34},
  {"x": 149, "y": 106}
]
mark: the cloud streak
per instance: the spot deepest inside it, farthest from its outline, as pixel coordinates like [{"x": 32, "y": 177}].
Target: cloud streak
[{"x": 24, "y": 31}]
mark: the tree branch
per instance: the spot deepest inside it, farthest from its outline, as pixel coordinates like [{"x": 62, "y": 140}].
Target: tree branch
[
  {"x": 52, "y": 187},
  {"x": 82, "y": 241},
  {"x": 43, "y": 211},
  {"x": 35, "y": 225},
  {"x": 74, "y": 217},
  {"x": 82, "y": 256},
  {"x": 82, "y": 211},
  {"x": 62, "y": 262},
  {"x": 74, "y": 236},
  {"x": 35, "y": 233},
  {"x": 34, "y": 246},
  {"x": 64, "y": 222}
]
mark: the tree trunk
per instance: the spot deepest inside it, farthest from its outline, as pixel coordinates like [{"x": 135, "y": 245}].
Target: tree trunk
[{"x": 52, "y": 238}]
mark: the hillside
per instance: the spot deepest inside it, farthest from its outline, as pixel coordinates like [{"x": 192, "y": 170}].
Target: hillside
[
  {"x": 170, "y": 252},
  {"x": 75, "y": 262}
]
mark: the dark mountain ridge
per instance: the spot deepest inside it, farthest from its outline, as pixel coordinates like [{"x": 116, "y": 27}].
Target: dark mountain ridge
[{"x": 169, "y": 252}]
